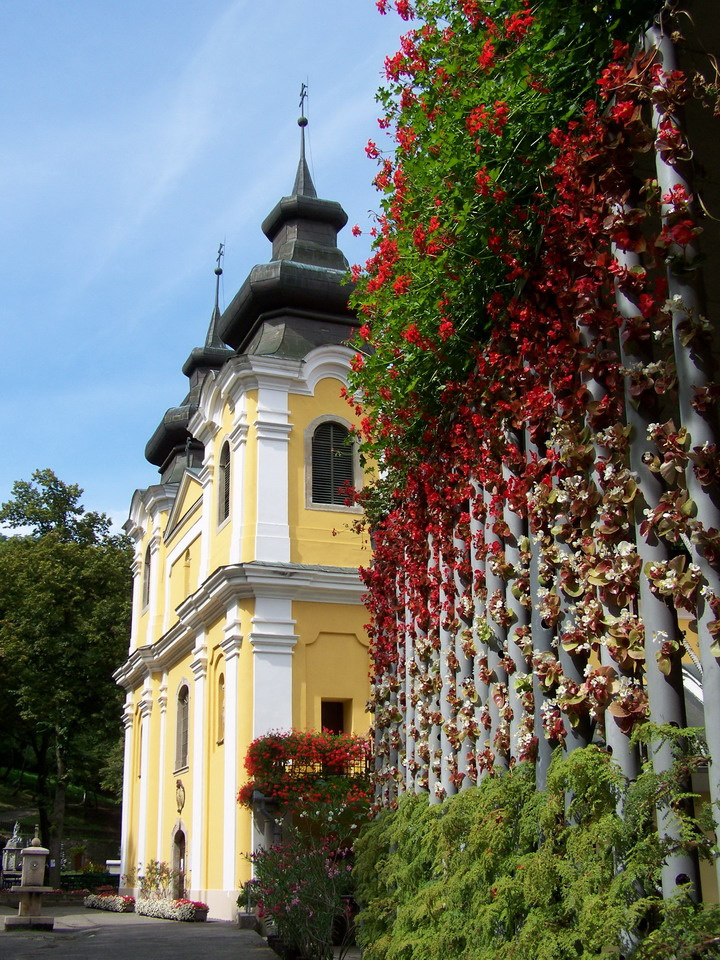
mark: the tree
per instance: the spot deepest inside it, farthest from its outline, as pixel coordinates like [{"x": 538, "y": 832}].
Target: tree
[{"x": 65, "y": 592}]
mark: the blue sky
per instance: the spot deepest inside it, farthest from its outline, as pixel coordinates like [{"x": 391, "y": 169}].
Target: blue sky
[{"x": 137, "y": 135}]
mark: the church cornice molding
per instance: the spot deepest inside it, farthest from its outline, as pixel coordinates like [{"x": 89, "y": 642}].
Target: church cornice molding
[{"x": 229, "y": 585}]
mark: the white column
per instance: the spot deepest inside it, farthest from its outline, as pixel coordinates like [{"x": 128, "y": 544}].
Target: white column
[
  {"x": 272, "y": 534},
  {"x": 231, "y": 648},
  {"x": 136, "y": 594},
  {"x": 154, "y": 584},
  {"x": 273, "y": 639},
  {"x": 199, "y": 762},
  {"x": 162, "y": 703},
  {"x": 145, "y": 706},
  {"x": 206, "y": 479},
  {"x": 238, "y": 446},
  {"x": 127, "y": 718}
]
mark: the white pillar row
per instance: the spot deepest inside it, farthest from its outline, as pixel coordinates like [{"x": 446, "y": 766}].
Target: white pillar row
[
  {"x": 162, "y": 704},
  {"x": 127, "y": 719},
  {"x": 230, "y": 647},
  {"x": 145, "y": 706},
  {"x": 272, "y": 533},
  {"x": 238, "y": 446},
  {"x": 199, "y": 667}
]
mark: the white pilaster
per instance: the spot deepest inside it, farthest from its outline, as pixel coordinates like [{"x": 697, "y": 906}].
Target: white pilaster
[
  {"x": 154, "y": 584},
  {"x": 136, "y": 569},
  {"x": 272, "y": 535},
  {"x": 196, "y": 856},
  {"x": 231, "y": 648},
  {"x": 238, "y": 446},
  {"x": 273, "y": 639},
  {"x": 206, "y": 479},
  {"x": 127, "y": 719},
  {"x": 162, "y": 767},
  {"x": 145, "y": 705}
]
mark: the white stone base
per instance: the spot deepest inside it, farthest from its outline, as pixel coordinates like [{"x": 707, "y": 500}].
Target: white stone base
[{"x": 222, "y": 903}]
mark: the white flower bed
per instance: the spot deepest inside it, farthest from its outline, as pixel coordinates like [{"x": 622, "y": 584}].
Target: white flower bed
[
  {"x": 114, "y": 903},
  {"x": 166, "y": 909}
]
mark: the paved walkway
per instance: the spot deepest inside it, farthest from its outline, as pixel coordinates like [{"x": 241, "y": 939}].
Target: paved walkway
[{"x": 82, "y": 934}]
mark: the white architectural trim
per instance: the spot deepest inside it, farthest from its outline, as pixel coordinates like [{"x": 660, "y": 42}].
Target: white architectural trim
[
  {"x": 207, "y": 475},
  {"x": 228, "y": 585},
  {"x": 154, "y": 548},
  {"x": 162, "y": 762},
  {"x": 128, "y": 717},
  {"x": 238, "y": 445},
  {"x": 196, "y": 856},
  {"x": 273, "y": 640},
  {"x": 145, "y": 706},
  {"x": 327, "y": 361},
  {"x": 231, "y": 646},
  {"x": 272, "y": 427}
]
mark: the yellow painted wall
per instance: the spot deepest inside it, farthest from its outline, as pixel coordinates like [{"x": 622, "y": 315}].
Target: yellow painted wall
[
  {"x": 319, "y": 536},
  {"x": 331, "y": 662}
]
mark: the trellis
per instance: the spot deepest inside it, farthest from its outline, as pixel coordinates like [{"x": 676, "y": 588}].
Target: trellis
[{"x": 535, "y": 580}]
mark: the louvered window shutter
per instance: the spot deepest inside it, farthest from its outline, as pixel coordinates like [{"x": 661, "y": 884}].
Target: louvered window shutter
[
  {"x": 332, "y": 464},
  {"x": 224, "y": 491}
]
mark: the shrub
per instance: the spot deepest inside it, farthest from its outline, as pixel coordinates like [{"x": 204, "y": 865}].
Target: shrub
[{"x": 503, "y": 871}]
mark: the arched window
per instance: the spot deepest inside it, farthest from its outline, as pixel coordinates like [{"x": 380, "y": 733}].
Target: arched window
[
  {"x": 224, "y": 483},
  {"x": 332, "y": 463},
  {"x": 221, "y": 708},
  {"x": 183, "y": 726},
  {"x": 146, "y": 579}
]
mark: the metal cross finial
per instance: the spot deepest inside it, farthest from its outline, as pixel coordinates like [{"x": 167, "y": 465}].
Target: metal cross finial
[
  {"x": 220, "y": 255},
  {"x": 303, "y": 97}
]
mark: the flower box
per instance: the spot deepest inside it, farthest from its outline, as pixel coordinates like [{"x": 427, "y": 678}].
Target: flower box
[
  {"x": 111, "y": 902},
  {"x": 163, "y": 908}
]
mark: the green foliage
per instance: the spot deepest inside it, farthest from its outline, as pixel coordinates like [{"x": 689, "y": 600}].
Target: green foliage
[
  {"x": 301, "y": 883},
  {"x": 471, "y": 99},
  {"x": 65, "y": 593},
  {"x": 44, "y": 504},
  {"x": 503, "y": 871}
]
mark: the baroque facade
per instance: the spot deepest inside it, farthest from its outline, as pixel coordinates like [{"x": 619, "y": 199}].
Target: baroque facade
[{"x": 247, "y": 613}]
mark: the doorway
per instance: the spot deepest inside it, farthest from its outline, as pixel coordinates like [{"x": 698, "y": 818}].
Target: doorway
[{"x": 179, "y": 864}]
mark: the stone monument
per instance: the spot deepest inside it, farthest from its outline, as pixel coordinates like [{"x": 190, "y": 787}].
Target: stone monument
[{"x": 31, "y": 890}]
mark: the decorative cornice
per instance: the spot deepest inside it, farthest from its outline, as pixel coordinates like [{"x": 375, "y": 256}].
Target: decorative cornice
[
  {"x": 232, "y": 584},
  {"x": 273, "y": 642},
  {"x": 238, "y": 434},
  {"x": 232, "y": 644},
  {"x": 271, "y": 430}
]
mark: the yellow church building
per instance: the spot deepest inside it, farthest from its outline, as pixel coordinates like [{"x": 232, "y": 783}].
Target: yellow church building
[{"x": 247, "y": 613}]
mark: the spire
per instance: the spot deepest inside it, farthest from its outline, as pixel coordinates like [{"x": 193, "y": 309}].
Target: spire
[
  {"x": 303, "y": 186},
  {"x": 213, "y": 339}
]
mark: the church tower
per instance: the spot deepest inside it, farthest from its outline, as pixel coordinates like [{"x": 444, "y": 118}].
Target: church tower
[{"x": 247, "y": 613}]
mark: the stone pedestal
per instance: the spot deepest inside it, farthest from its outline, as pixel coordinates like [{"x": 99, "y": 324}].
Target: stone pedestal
[{"x": 31, "y": 891}]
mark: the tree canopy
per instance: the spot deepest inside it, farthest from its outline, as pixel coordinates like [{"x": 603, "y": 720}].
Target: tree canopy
[{"x": 65, "y": 591}]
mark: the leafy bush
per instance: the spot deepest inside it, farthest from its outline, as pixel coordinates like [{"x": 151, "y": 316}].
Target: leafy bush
[
  {"x": 503, "y": 871},
  {"x": 303, "y": 884}
]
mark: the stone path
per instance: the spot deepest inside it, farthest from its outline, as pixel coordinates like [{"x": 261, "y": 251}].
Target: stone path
[{"x": 82, "y": 934}]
